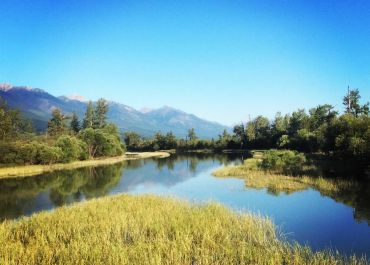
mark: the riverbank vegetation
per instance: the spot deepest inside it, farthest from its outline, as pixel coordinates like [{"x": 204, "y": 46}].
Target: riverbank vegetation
[
  {"x": 151, "y": 230},
  {"x": 283, "y": 171},
  {"x": 63, "y": 142},
  {"x": 32, "y": 170},
  {"x": 344, "y": 137}
]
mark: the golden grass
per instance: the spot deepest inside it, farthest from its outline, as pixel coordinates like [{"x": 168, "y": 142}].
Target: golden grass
[
  {"x": 276, "y": 182},
  {"x": 129, "y": 229},
  {"x": 32, "y": 170}
]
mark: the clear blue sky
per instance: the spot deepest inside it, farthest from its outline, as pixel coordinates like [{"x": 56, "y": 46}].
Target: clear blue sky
[{"x": 221, "y": 60}]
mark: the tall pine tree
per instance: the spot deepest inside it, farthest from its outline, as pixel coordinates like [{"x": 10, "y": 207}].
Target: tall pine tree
[
  {"x": 56, "y": 125},
  {"x": 100, "y": 115},
  {"x": 88, "y": 121},
  {"x": 75, "y": 123}
]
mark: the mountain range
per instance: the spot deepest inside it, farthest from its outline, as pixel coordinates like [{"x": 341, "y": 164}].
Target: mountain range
[{"x": 37, "y": 105}]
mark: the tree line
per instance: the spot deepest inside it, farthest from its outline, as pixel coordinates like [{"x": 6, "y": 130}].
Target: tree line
[
  {"x": 321, "y": 129},
  {"x": 65, "y": 140}
]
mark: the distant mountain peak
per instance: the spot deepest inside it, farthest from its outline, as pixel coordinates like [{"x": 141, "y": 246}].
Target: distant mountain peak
[
  {"x": 5, "y": 87},
  {"x": 75, "y": 97},
  {"x": 37, "y": 105},
  {"x": 146, "y": 110},
  {"x": 167, "y": 109},
  {"x": 9, "y": 87}
]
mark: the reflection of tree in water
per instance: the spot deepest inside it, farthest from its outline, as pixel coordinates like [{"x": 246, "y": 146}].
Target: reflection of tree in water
[
  {"x": 193, "y": 159},
  {"x": 169, "y": 162},
  {"x": 133, "y": 164},
  {"x": 63, "y": 187},
  {"x": 89, "y": 182},
  {"x": 357, "y": 197}
]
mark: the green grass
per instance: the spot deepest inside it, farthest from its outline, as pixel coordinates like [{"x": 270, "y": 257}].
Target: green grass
[
  {"x": 276, "y": 183},
  {"x": 151, "y": 230},
  {"x": 32, "y": 170}
]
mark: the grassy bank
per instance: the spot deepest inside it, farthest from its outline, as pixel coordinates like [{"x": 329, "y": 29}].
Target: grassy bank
[
  {"x": 150, "y": 230},
  {"x": 31, "y": 170},
  {"x": 276, "y": 183}
]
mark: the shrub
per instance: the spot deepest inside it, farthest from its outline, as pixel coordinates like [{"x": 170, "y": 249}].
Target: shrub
[
  {"x": 28, "y": 153},
  {"x": 102, "y": 142},
  {"x": 284, "y": 161},
  {"x": 71, "y": 147},
  {"x": 48, "y": 154}
]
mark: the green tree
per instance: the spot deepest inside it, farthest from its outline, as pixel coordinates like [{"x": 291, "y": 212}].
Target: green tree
[
  {"x": 100, "y": 114},
  {"x": 170, "y": 141},
  {"x": 75, "y": 123},
  {"x": 48, "y": 154},
  {"x": 102, "y": 142},
  {"x": 88, "y": 120},
  {"x": 192, "y": 135},
  {"x": 12, "y": 124},
  {"x": 352, "y": 103},
  {"x": 240, "y": 134},
  {"x": 71, "y": 147},
  {"x": 56, "y": 125},
  {"x": 132, "y": 140}
]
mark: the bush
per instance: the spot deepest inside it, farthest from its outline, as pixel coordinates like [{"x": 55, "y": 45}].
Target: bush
[
  {"x": 28, "y": 153},
  {"x": 102, "y": 142},
  {"x": 72, "y": 148},
  {"x": 283, "y": 161},
  {"x": 48, "y": 154}
]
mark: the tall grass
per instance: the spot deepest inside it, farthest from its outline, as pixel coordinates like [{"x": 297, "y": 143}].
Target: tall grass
[
  {"x": 276, "y": 183},
  {"x": 32, "y": 170},
  {"x": 151, "y": 230}
]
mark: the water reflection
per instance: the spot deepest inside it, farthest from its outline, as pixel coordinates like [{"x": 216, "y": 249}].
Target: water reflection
[
  {"x": 313, "y": 217},
  {"x": 24, "y": 196}
]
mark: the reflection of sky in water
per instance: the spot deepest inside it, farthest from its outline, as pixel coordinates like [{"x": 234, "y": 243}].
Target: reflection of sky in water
[{"x": 306, "y": 216}]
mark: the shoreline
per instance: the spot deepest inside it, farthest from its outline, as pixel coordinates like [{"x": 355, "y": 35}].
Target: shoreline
[{"x": 32, "y": 170}]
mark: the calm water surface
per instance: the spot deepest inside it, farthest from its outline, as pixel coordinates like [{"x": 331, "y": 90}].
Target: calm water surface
[{"x": 340, "y": 221}]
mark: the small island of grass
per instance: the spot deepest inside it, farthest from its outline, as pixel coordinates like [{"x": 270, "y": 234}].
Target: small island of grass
[{"x": 281, "y": 171}]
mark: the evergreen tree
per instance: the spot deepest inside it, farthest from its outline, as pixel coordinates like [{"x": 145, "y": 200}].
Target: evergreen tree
[
  {"x": 191, "y": 134},
  {"x": 56, "y": 125},
  {"x": 352, "y": 103},
  {"x": 100, "y": 114},
  {"x": 89, "y": 116},
  {"x": 75, "y": 123}
]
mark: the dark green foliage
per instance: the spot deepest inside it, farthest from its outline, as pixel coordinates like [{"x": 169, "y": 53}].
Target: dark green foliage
[
  {"x": 75, "y": 123},
  {"x": 23, "y": 148},
  {"x": 133, "y": 141},
  {"x": 352, "y": 103},
  {"x": 12, "y": 124},
  {"x": 56, "y": 125},
  {"x": 319, "y": 130},
  {"x": 240, "y": 134},
  {"x": 163, "y": 142},
  {"x": 88, "y": 121},
  {"x": 47, "y": 155},
  {"x": 102, "y": 142},
  {"x": 283, "y": 161},
  {"x": 28, "y": 153},
  {"x": 72, "y": 148},
  {"x": 100, "y": 114}
]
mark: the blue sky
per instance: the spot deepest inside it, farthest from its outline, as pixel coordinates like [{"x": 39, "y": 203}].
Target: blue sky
[{"x": 224, "y": 61}]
